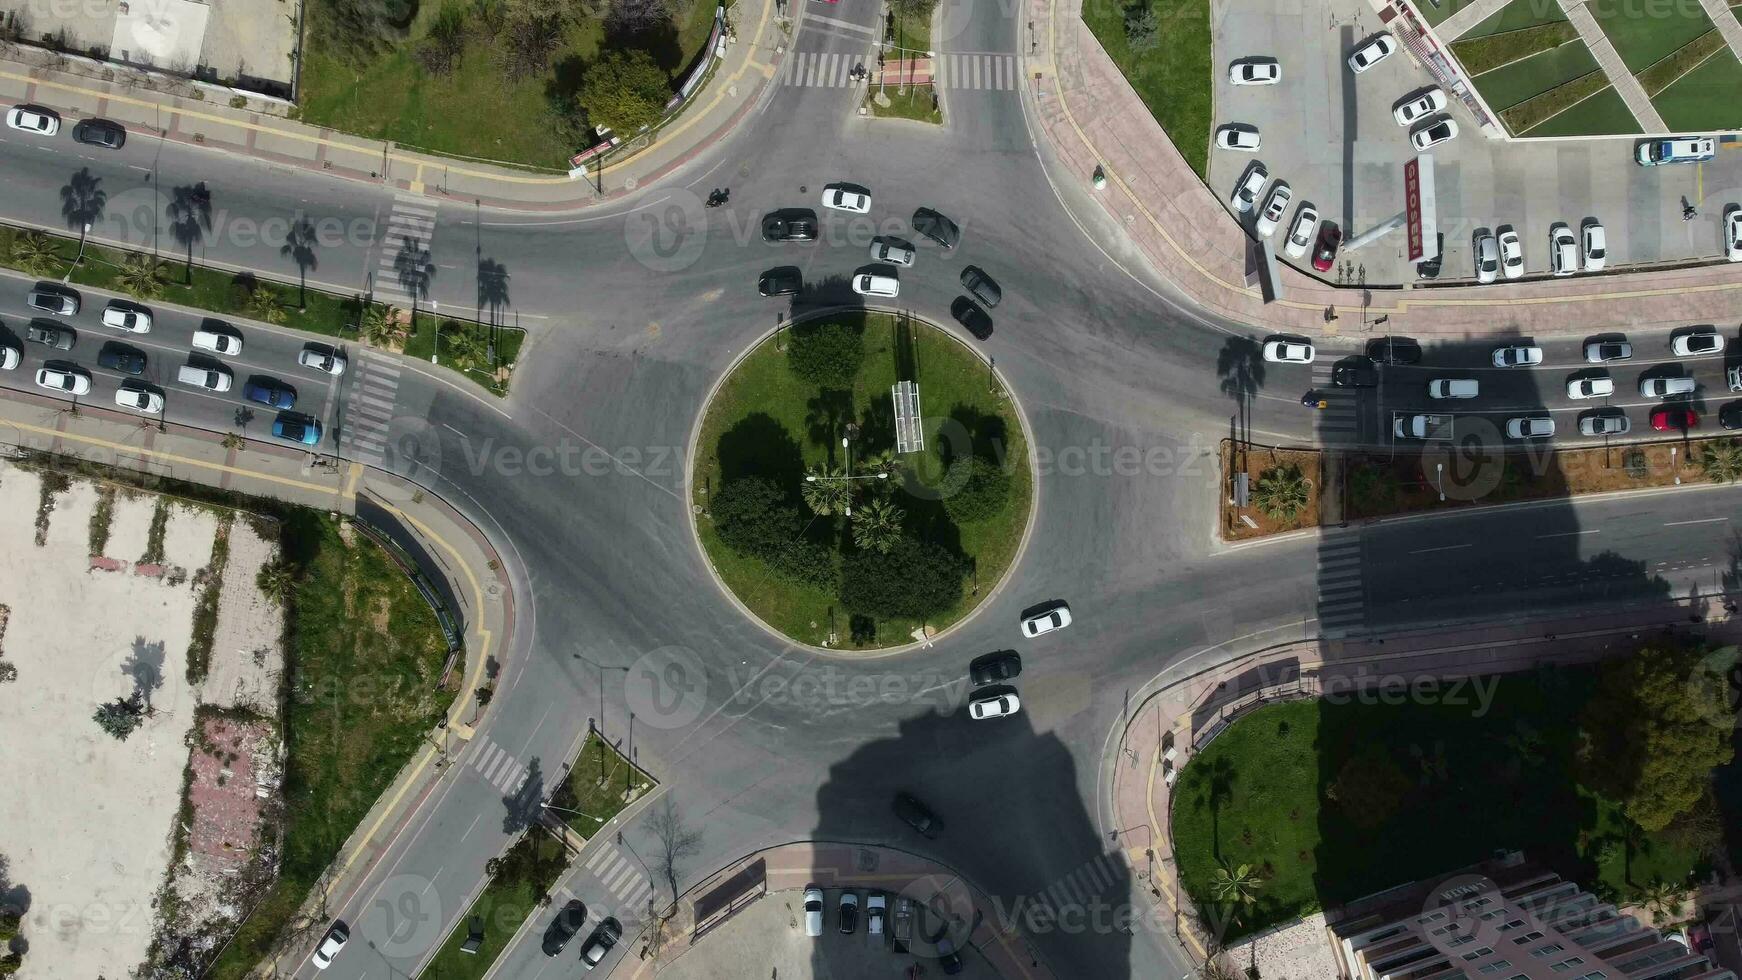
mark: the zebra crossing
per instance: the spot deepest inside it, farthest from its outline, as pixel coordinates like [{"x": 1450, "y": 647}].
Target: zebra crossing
[
  {"x": 1338, "y": 421},
  {"x": 410, "y": 228},
  {"x": 996, "y": 72},
  {"x": 1080, "y": 889},
  {"x": 369, "y": 407},
  {"x": 497, "y": 766},
  {"x": 1340, "y": 603},
  {"x": 822, "y": 69},
  {"x": 621, "y": 877}
]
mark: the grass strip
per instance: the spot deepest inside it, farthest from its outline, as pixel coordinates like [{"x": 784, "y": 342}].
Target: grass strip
[
  {"x": 1684, "y": 59},
  {"x": 916, "y": 103},
  {"x": 519, "y": 886},
  {"x": 1488, "y": 53},
  {"x": 1532, "y": 111}
]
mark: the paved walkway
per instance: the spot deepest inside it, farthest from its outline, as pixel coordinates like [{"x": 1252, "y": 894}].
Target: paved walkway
[
  {"x": 827, "y": 864},
  {"x": 1089, "y": 115},
  {"x": 750, "y": 62},
  {"x": 1632, "y": 93},
  {"x": 1467, "y": 17},
  {"x": 1190, "y": 708},
  {"x": 1725, "y": 17}
]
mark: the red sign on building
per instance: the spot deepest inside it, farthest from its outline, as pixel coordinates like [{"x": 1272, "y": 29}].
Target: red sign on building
[{"x": 1412, "y": 206}]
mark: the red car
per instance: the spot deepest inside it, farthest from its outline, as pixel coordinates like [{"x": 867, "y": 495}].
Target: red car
[
  {"x": 1675, "y": 419},
  {"x": 1325, "y": 252}
]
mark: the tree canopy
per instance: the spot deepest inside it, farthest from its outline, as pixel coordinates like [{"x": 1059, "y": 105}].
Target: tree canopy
[
  {"x": 912, "y": 579},
  {"x": 827, "y": 355},
  {"x": 624, "y": 91}
]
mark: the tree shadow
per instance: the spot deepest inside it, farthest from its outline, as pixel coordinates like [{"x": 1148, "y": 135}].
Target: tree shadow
[
  {"x": 82, "y": 199},
  {"x": 413, "y": 268},
  {"x": 521, "y": 808},
  {"x": 14, "y": 897},
  {"x": 190, "y": 218},
  {"x": 985, "y": 437},
  {"x": 659, "y": 39},
  {"x": 1240, "y": 365},
  {"x": 145, "y": 665},
  {"x": 760, "y": 446},
  {"x": 825, "y": 419},
  {"x": 492, "y": 290},
  {"x": 299, "y": 247}
]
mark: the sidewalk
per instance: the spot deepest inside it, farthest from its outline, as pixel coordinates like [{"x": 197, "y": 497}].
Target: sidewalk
[
  {"x": 1167, "y": 726},
  {"x": 1601, "y": 48},
  {"x": 1090, "y": 116},
  {"x": 260, "y": 469},
  {"x": 789, "y": 867},
  {"x": 738, "y": 81}
]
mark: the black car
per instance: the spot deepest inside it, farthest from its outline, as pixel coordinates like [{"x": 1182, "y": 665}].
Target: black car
[
  {"x": 849, "y": 917},
  {"x": 948, "y": 958},
  {"x": 915, "y": 815},
  {"x": 269, "y": 392},
  {"x": 1430, "y": 268},
  {"x": 970, "y": 316},
  {"x": 936, "y": 227},
  {"x": 605, "y": 936},
  {"x": 568, "y": 921},
  {"x": 1394, "y": 350},
  {"x": 1355, "y": 372},
  {"x": 784, "y": 281},
  {"x": 1730, "y": 416},
  {"x": 49, "y": 335},
  {"x": 976, "y": 281},
  {"x": 994, "y": 667},
  {"x": 120, "y": 357},
  {"x": 100, "y": 132},
  {"x": 790, "y": 226}
]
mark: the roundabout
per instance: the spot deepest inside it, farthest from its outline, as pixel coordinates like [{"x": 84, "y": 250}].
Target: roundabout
[{"x": 826, "y": 523}]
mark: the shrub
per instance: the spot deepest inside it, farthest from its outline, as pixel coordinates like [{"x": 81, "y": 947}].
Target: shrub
[
  {"x": 1142, "y": 29},
  {"x": 982, "y": 495},
  {"x": 914, "y": 580},
  {"x": 827, "y": 355},
  {"x": 754, "y": 518},
  {"x": 625, "y": 91}
]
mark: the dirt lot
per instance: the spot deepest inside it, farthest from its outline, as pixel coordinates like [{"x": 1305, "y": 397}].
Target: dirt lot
[{"x": 101, "y": 593}]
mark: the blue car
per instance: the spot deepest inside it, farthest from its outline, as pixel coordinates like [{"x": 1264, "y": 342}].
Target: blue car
[
  {"x": 269, "y": 393},
  {"x": 297, "y": 428}
]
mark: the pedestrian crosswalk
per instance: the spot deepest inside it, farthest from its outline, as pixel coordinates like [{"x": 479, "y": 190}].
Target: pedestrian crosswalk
[
  {"x": 976, "y": 71},
  {"x": 621, "y": 876},
  {"x": 1341, "y": 599},
  {"x": 369, "y": 407},
  {"x": 497, "y": 766},
  {"x": 1339, "y": 421},
  {"x": 822, "y": 69},
  {"x": 1066, "y": 898},
  {"x": 403, "y": 264}
]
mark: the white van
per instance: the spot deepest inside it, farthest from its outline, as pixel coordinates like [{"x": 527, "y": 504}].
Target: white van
[
  {"x": 211, "y": 379},
  {"x": 1665, "y": 387},
  {"x": 1452, "y": 388}
]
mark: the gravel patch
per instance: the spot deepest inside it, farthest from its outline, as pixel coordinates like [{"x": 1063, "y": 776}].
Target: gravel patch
[{"x": 247, "y": 656}]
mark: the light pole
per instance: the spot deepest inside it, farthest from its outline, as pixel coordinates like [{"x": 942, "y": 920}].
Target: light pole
[
  {"x": 436, "y": 319},
  {"x": 602, "y": 669},
  {"x": 1672, "y": 466},
  {"x": 827, "y": 479},
  {"x": 1440, "y": 484},
  {"x": 578, "y": 813},
  {"x": 84, "y": 230}
]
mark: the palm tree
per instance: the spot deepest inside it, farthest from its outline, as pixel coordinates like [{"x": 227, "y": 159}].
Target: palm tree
[
  {"x": 140, "y": 276},
  {"x": 1282, "y": 492},
  {"x": 1663, "y": 900},
  {"x": 276, "y": 580},
  {"x": 380, "y": 326},
  {"x": 1235, "y": 886},
  {"x": 463, "y": 345},
  {"x": 826, "y": 491},
  {"x": 35, "y": 253},
  {"x": 263, "y": 304},
  {"x": 1721, "y": 460},
  {"x": 877, "y": 525}
]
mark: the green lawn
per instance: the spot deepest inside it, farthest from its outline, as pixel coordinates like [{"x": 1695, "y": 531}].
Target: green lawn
[
  {"x": 915, "y": 103},
  {"x": 1516, "y": 16},
  {"x": 596, "y": 804},
  {"x": 1446, "y": 8},
  {"x": 912, "y": 29},
  {"x": 1705, "y": 98},
  {"x": 1508, "y": 86},
  {"x": 474, "y": 111},
  {"x": 476, "y": 367},
  {"x": 1642, "y": 37},
  {"x": 1469, "y": 781},
  {"x": 365, "y": 655},
  {"x": 1480, "y": 54},
  {"x": 529, "y": 869},
  {"x": 766, "y": 421},
  {"x": 1173, "y": 80},
  {"x": 1602, "y": 113}
]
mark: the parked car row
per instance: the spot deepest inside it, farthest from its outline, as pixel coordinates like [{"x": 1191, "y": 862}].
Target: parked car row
[
  {"x": 1502, "y": 254},
  {"x": 41, "y": 121},
  {"x": 567, "y": 924}
]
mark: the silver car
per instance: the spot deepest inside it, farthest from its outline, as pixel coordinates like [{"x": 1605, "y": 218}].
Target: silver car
[{"x": 893, "y": 254}]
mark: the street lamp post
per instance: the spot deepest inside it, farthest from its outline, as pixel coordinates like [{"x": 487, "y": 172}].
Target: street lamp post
[
  {"x": 602, "y": 668},
  {"x": 578, "y": 813},
  {"x": 1439, "y": 483},
  {"x": 84, "y": 230}
]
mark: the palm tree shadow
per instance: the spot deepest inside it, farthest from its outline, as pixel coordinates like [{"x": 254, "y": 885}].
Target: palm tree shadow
[
  {"x": 190, "y": 218},
  {"x": 299, "y": 247},
  {"x": 82, "y": 199},
  {"x": 1240, "y": 364}
]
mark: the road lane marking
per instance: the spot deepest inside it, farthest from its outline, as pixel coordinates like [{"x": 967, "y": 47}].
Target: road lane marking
[
  {"x": 1708, "y": 520},
  {"x": 1449, "y": 547},
  {"x": 1569, "y": 534}
]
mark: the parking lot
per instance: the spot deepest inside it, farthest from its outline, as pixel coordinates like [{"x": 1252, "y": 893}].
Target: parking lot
[{"x": 1330, "y": 134}]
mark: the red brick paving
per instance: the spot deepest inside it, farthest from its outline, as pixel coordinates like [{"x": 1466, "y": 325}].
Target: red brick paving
[{"x": 226, "y": 811}]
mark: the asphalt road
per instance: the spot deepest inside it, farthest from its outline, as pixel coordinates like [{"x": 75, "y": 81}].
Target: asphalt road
[{"x": 635, "y": 310}]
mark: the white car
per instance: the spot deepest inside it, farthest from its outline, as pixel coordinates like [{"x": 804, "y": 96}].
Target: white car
[
  {"x": 1662, "y": 387},
  {"x": 1487, "y": 259},
  {"x": 891, "y": 253},
  {"x": 1274, "y": 207},
  {"x": 1733, "y": 232},
  {"x": 1300, "y": 236},
  {"x": 139, "y": 399},
  {"x": 1247, "y": 193},
  {"x": 1254, "y": 71},
  {"x": 1453, "y": 388},
  {"x": 1605, "y": 425},
  {"x": 1530, "y": 427},
  {"x": 868, "y": 284},
  {"x": 1511, "y": 254},
  {"x": 218, "y": 343},
  {"x": 813, "y": 912},
  {"x": 1420, "y": 107},
  {"x": 1372, "y": 53},
  {"x": 876, "y": 905},
  {"x": 9, "y": 357},
  {"x": 1520, "y": 355},
  {"x": 326, "y": 361},
  {"x": 1056, "y": 618},
  {"x": 1594, "y": 243},
  {"x": 1433, "y": 134},
  {"x": 1237, "y": 136},
  {"x": 1563, "y": 251},
  {"x": 1591, "y": 387},
  {"x": 1697, "y": 344},
  {"x": 61, "y": 379},
  {"x": 132, "y": 321},
  {"x": 840, "y": 197},
  {"x": 30, "y": 119},
  {"x": 1281, "y": 351},
  {"x": 331, "y": 943},
  {"x": 1598, "y": 351},
  {"x": 998, "y": 706}
]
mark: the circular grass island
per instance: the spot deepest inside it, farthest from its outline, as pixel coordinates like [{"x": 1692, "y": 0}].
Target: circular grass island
[{"x": 816, "y": 523}]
